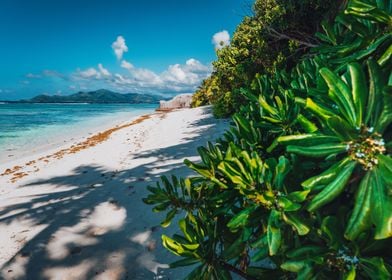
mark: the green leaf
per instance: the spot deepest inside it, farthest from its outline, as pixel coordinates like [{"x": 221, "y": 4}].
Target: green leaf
[
  {"x": 293, "y": 266},
  {"x": 172, "y": 245},
  {"x": 305, "y": 252},
  {"x": 316, "y": 109},
  {"x": 350, "y": 275},
  {"x": 333, "y": 189},
  {"x": 385, "y": 166},
  {"x": 190, "y": 247},
  {"x": 341, "y": 94},
  {"x": 385, "y": 117},
  {"x": 169, "y": 217},
  {"x": 196, "y": 273},
  {"x": 234, "y": 249},
  {"x": 307, "y": 139},
  {"x": 201, "y": 169},
  {"x": 326, "y": 177},
  {"x": 359, "y": 90},
  {"x": 367, "y": 11},
  {"x": 281, "y": 170},
  {"x": 293, "y": 220},
  {"x": 307, "y": 125},
  {"x": 266, "y": 106},
  {"x": 317, "y": 151},
  {"x": 359, "y": 220},
  {"x": 274, "y": 235},
  {"x": 241, "y": 219},
  {"x": 234, "y": 175},
  {"x": 381, "y": 200},
  {"x": 162, "y": 207},
  {"x": 256, "y": 271},
  {"x": 385, "y": 57},
  {"x": 287, "y": 205},
  {"x": 260, "y": 254},
  {"x": 375, "y": 268},
  {"x": 184, "y": 262},
  {"x": 332, "y": 228},
  {"x": 329, "y": 31},
  {"x": 376, "y": 85},
  {"x": 342, "y": 129},
  {"x": 298, "y": 196},
  {"x": 189, "y": 232}
]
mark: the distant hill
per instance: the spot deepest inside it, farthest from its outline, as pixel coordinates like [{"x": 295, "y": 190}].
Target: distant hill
[{"x": 97, "y": 96}]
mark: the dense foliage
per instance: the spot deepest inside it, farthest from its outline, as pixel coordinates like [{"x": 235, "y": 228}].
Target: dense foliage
[
  {"x": 301, "y": 184},
  {"x": 276, "y": 35}
]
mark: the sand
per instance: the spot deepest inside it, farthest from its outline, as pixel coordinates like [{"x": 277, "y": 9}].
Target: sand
[{"x": 76, "y": 212}]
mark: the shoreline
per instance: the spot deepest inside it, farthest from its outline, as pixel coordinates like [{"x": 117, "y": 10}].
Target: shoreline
[
  {"x": 58, "y": 152},
  {"x": 50, "y": 137},
  {"x": 80, "y": 215}
]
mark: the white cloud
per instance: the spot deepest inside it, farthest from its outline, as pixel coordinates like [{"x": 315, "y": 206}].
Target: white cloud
[
  {"x": 91, "y": 72},
  {"x": 221, "y": 39},
  {"x": 176, "y": 78},
  {"x": 121, "y": 80},
  {"x": 127, "y": 65},
  {"x": 103, "y": 71},
  {"x": 196, "y": 66},
  {"x": 119, "y": 46},
  {"x": 33, "y": 76},
  {"x": 55, "y": 74},
  {"x": 145, "y": 75}
]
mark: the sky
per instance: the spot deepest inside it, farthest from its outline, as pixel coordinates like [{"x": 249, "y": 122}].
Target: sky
[{"x": 147, "y": 46}]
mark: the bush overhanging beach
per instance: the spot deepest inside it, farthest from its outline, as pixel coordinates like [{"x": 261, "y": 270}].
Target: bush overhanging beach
[{"x": 300, "y": 186}]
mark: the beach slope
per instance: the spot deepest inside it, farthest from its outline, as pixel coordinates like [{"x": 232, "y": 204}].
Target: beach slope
[{"x": 77, "y": 213}]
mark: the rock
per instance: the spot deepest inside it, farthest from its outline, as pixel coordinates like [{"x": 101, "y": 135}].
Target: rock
[{"x": 179, "y": 101}]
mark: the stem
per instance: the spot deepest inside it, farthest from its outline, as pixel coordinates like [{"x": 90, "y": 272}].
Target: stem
[
  {"x": 235, "y": 270},
  {"x": 281, "y": 36}
]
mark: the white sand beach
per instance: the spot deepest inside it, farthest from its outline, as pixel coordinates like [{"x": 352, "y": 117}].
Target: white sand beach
[{"x": 76, "y": 212}]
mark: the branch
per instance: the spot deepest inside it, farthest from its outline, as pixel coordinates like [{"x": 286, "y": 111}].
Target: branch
[{"x": 281, "y": 36}]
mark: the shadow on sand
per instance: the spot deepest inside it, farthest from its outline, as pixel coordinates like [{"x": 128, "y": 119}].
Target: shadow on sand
[{"x": 95, "y": 225}]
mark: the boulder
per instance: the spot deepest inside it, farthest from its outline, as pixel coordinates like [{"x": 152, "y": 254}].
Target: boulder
[{"x": 179, "y": 101}]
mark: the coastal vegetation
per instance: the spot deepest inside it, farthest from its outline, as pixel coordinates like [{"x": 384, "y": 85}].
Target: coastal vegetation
[
  {"x": 300, "y": 186},
  {"x": 276, "y": 36}
]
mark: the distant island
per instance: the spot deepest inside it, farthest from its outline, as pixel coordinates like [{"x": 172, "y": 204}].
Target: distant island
[{"x": 101, "y": 96}]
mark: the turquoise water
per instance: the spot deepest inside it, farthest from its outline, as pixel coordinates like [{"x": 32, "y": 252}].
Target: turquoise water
[{"x": 26, "y": 125}]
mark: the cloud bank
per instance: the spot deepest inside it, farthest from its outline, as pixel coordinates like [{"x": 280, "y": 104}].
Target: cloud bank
[
  {"x": 177, "y": 78},
  {"x": 126, "y": 77}
]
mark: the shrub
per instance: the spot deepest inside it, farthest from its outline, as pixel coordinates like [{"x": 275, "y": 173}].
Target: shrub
[{"x": 300, "y": 186}]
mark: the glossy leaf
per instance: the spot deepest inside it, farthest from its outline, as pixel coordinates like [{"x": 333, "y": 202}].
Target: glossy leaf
[{"x": 333, "y": 189}]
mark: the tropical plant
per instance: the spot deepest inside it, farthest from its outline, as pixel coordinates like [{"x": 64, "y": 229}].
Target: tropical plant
[
  {"x": 301, "y": 185},
  {"x": 353, "y": 135}
]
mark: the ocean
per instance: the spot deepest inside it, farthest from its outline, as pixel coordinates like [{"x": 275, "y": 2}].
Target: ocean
[{"x": 27, "y": 127}]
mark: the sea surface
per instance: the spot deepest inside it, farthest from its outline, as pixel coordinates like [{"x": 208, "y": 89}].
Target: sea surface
[{"x": 24, "y": 127}]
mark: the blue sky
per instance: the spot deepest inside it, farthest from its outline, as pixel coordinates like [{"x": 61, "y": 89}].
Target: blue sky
[{"x": 64, "y": 46}]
